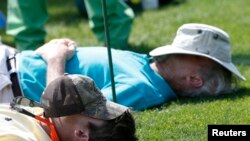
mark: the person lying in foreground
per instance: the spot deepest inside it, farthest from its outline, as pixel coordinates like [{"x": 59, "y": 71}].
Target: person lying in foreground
[
  {"x": 72, "y": 108},
  {"x": 198, "y": 62}
]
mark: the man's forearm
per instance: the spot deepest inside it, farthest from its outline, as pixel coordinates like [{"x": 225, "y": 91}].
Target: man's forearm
[
  {"x": 55, "y": 68},
  {"x": 55, "y": 53}
]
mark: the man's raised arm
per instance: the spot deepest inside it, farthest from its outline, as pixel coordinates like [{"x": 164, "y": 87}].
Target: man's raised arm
[{"x": 56, "y": 53}]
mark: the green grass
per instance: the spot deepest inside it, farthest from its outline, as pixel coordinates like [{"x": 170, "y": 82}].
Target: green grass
[{"x": 183, "y": 119}]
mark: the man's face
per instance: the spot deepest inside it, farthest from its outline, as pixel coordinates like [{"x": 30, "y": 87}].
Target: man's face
[
  {"x": 185, "y": 65},
  {"x": 184, "y": 72},
  {"x": 180, "y": 66},
  {"x": 75, "y": 127}
]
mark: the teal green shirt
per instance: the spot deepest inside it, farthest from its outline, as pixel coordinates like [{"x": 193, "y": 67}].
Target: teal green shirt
[{"x": 137, "y": 85}]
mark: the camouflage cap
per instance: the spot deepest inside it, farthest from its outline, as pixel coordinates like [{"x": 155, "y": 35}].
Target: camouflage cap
[{"x": 78, "y": 94}]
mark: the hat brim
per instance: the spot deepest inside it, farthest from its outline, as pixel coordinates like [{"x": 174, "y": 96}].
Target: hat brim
[
  {"x": 115, "y": 110},
  {"x": 107, "y": 110},
  {"x": 168, "y": 49}
]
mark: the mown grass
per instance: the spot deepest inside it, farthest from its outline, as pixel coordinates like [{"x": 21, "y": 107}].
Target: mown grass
[{"x": 183, "y": 119}]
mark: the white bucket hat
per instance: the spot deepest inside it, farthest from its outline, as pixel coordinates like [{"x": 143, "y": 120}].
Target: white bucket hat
[{"x": 202, "y": 40}]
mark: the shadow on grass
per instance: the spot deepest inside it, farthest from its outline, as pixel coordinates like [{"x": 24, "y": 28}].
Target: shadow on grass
[
  {"x": 64, "y": 12},
  {"x": 241, "y": 59},
  {"x": 241, "y": 93},
  {"x": 164, "y": 3},
  {"x": 66, "y": 18},
  {"x": 141, "y": 48}
]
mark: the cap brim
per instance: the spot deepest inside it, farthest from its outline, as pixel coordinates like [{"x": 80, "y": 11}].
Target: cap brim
[
  {"x": 168, "y": 49},
  {"x": 107, "y": 110},
  {"x": 115, "y": 110}
]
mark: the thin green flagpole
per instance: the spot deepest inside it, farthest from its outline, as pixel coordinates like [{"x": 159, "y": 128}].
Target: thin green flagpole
[{"x": 104, "y": 11}]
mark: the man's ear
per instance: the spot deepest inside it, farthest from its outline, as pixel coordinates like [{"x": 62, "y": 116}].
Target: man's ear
[
  {"x": 82, "y": 135},
  {"x": 196, "y": 80}
]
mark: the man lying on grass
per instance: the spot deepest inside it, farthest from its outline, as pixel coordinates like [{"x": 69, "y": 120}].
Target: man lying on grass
[
  {"x": 197, "y": 62},
  {"x": 72, "y": 108}
]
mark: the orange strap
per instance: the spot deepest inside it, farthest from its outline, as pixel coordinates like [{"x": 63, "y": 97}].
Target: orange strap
[{"x": 53, "y": 133}]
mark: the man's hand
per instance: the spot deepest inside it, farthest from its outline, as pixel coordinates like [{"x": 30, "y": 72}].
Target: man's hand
[
  {"x": 55, "y": 53},
  {"x": 57, "y": 49}
]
